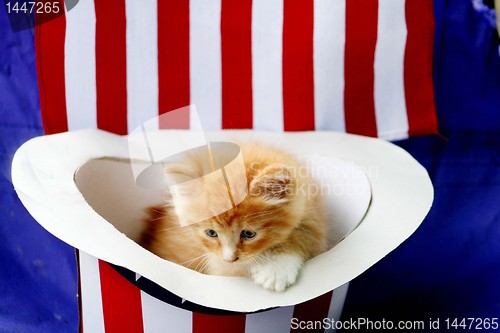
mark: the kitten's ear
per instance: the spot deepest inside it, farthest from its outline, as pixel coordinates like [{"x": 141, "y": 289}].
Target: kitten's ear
[{"x": 273, "y": 184}]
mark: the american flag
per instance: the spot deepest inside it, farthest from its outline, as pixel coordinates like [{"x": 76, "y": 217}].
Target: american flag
[
  {"x": 362, "y": 67},
  {"x": 342, "y": 65}
]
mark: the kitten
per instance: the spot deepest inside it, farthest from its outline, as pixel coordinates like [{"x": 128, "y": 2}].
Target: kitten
[{"x": 268, "y": 236}]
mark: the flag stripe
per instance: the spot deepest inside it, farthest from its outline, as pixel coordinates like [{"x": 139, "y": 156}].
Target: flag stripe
[
  {"x": 267, "y": 52},
  {"x": 111, "y": 73},
  {"x": 204, "y": 323},
  {"x": 173, "y": 54},
  {"x": 236, "y": 43},
  {"x": 142, "y": 62},
  {"x": 161, "y": 317},
  {"x": 79, "y": 66},
  {"x": 264, "y": 73},
  {"x": 176, "y": 119},
  {"x": 329, "y": 42},
  {"x": 419, "y": 89},
  {"x": 313, "y": 310},
  {"x": 92, "y": 320},
  {"x": 276, "y": 321},
  {"x": 50, "y": 66},
  {"x": 205, "y": 61},
  {"x": 298, "y": 77},
  {"x": 390, "y": 104},
  {"x": 121, "y": 302},
  {"x": 338, "y": 299},
  {"x": 361, "y": 37}
]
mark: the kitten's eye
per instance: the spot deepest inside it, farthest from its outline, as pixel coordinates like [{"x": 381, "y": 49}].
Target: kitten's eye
[
  {"x": 211, "y": 233},
  {"x": 247, "y": 234}
]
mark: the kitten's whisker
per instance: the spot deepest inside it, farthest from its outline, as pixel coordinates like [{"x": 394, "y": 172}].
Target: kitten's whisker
[
  {"x": 205, "y": 261},
  {"x": 189, "y": 262},
  {"x": 206, "y": 267},
  {"x": 253, "y": 261},
  {"x": 200, "y": 263},
  {"x": 258, "y": 258}
]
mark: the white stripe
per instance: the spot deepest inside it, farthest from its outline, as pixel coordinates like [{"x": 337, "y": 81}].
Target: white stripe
[
  {"x": 142, "y": 62},
  {"x": 267, "y": 75},
  {"x": 90, "y": 284},
  {"x": 390, "y": 104},
  {"x": 79, "y": 66},
  {"x": 205, "y": 61},
  {"x": 329, "y": 43},
  {"x": 337, "y": 303},
  {"x": 276, "y": 321},
  {"x": 161, "y": 317}
]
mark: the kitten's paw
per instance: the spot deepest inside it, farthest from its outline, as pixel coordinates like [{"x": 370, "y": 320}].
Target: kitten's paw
[{"x": 280, "y": 272}]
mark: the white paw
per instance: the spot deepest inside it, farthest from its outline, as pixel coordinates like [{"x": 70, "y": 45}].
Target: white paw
[{"x": 278, "y": 272}]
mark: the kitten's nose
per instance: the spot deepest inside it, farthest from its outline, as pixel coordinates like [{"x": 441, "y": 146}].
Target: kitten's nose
[{"x": 229, "y": 255}]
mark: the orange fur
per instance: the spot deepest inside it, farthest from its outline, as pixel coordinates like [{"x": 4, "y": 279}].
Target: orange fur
[{"x": 285, "y": 217}]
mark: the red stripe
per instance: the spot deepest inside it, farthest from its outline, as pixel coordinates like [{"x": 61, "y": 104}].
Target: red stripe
[
  {"x": 419, "y": 90},
  {"x": 313, "y": 310},
  {"x": 111, "y": 70},
  {"x": 173, "y": 54},
  {"x": 177, "y": 119},
  {"x": 203, "y": 323},
  {"x": 49, "y": 43},
  {"x": 361, "y": 38},
  {"x": 236, "y": 40},
  {"x": 121, "y": 302},
  {"x": 298, "y": 79}
]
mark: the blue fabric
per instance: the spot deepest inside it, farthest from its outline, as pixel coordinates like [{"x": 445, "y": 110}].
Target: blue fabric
[
  {"x": 450, "y": 267},
  {"x": 466, "y": 68},
  {"x": 38, "y": 282}
]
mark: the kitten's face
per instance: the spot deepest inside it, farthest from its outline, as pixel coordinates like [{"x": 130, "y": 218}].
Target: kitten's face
[
  {"x": 241, "y": 235},
  {"x": 263, "y": 220}
]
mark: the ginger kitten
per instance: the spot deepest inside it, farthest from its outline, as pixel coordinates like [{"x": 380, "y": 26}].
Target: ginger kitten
[{"x": 268, "y": 236}]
